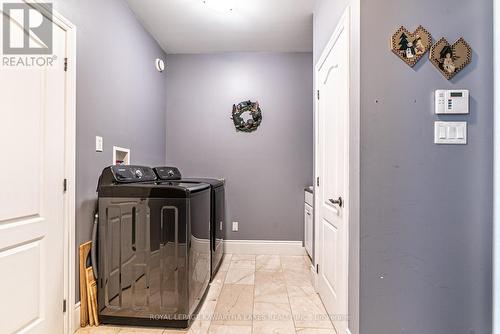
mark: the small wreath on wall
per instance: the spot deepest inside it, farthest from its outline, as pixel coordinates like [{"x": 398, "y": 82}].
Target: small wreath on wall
[{"x": 247, "y": 116}]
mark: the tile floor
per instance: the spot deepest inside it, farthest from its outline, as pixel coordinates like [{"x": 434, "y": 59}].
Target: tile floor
[{"x": 253, "y": 295}]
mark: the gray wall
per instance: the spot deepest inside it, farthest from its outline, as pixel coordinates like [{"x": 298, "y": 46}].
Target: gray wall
[
  {"x": 120, "y": 96},
  {"x": 265, "y": 171},
  {"x": 426, "y": 219}
]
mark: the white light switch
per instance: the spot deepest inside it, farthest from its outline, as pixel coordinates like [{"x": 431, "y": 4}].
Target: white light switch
[
  {"x": 98, "y": 143},
  {"x": 442, "y": 132},
  {"x": 235, "y": 226},
  {"x": 450, "y": 133}
]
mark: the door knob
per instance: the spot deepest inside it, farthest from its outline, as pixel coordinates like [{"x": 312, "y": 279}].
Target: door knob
[{"x": 338, "y": 202}]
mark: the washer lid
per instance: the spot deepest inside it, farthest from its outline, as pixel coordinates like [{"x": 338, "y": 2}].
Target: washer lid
[
  {"x": 190, "y": 187},
  {"x": 213, "y": 182}
]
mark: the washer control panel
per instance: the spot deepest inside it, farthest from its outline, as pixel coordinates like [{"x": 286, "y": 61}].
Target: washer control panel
[{"x": 125, "y": 174}]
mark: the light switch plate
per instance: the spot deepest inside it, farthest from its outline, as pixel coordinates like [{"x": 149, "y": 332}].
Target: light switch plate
[
  {"x": 98, "y": 143},
  {"x": 235, "y": 226},
  {"x": 450, "y": 133}
]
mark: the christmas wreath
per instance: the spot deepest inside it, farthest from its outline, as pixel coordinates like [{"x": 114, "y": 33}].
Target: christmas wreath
[{"x": 250, "y": 124}]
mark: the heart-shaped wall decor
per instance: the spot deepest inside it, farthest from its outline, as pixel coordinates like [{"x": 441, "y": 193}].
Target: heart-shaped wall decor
[
  {"x": 411, "y": 46},
  {"x": 450, "y": 59}
]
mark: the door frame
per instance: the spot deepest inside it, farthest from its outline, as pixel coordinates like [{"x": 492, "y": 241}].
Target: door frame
[
  {"x": 496, "y": 171},
  {"x": 352, "y": 15},
  {"x": 71, "y": 317}
]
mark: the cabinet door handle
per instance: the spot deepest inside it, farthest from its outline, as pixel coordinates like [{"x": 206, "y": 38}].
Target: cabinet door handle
[{"x": 308, "y": 213}]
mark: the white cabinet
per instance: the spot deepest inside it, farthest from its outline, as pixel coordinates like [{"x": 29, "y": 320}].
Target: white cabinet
[{"x": 308, "y": 222}]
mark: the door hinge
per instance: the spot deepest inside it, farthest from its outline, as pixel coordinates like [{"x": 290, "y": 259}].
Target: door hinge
[
  {"x": 65, "y": 64},
  {"x": 65, "y": 185},
  {"x": 317, "y": 269},
  {"x": 64, "y": 306},
  {"x": 317, "y": 181},
  {"x": 317, "y": 92}
]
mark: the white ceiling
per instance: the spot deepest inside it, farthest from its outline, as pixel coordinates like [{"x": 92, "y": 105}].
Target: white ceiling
[{"x": 198, "y": 26}]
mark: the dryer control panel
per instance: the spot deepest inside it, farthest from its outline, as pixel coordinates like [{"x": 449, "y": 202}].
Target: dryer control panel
[{"x": 168, "y": 173}]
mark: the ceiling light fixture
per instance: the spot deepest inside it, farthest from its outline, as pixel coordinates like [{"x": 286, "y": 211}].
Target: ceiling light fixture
[{"x": 221, "y": 6}]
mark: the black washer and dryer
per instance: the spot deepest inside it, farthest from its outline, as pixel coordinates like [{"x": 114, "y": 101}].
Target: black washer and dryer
[
  {"x": 217, "y": 207},
  {"x": 153, "y": 248}
]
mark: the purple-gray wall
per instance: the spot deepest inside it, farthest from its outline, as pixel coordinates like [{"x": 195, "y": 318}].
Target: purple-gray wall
[
  {"x": 120, "y": 96},
  {"x": 428, "y": 233},
  {"x": 426, "y": 210},
  {"x": 265, "y": 171}
]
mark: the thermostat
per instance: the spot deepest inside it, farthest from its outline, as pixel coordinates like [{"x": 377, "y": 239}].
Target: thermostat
[{"x": 452, "y": 101}]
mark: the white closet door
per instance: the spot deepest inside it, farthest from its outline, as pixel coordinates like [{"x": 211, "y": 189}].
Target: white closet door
[
  {"x": 332, "y": 81},
  {"x": 32, "y": 142}
]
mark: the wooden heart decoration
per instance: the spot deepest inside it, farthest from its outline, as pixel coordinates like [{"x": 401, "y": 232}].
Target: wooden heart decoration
[
  {"x": 411, "y": 46},
  {"x": 450, "y": 59}
]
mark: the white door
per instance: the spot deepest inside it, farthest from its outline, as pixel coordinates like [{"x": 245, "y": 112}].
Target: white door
[
  {"x": 332, "y": 82},
  {"x": 32, "y": 143}
]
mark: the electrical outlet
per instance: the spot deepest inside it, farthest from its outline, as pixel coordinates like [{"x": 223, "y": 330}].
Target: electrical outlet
[
  {"x": 235, "y": 226},
  {"x": 98, "y": 143}
]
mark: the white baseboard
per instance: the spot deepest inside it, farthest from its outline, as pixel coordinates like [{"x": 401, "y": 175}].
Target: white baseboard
[
  {"x": 268, "y": 247},
  {"x": 314, "y": 277},
  {"x": 76, "y": 317}
]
